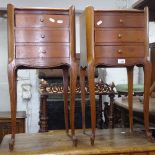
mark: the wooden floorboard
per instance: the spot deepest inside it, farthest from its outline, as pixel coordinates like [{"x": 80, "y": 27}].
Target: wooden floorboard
[{"x": 57, "y": 142}]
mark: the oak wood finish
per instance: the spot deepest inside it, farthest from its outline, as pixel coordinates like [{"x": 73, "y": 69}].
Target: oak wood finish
[
  {"x": 116, "y": 38},
  {"x": 42, "y": 38},
  {"x": 108, "y": 142}
]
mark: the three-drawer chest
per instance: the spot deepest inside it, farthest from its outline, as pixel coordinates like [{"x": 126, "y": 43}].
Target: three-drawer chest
[
  {"x": 116, "y": 38},
  {"x": 42, "y": 38}
]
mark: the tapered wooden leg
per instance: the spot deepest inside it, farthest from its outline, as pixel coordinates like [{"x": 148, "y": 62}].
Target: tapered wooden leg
[
  {"x": 130, "y": 95},
  {"x": 13, "y": 102},
  {"x": 65, "y": 87},
  {"x": 83, "y": 96},
  {"x": 92, "y": 100},
  {"x": 73, "y": 79},
  {"x": 147, "y": 85}
]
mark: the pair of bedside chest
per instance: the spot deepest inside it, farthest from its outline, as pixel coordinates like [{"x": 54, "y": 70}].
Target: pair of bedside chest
[{"x": 45, "y": 38}]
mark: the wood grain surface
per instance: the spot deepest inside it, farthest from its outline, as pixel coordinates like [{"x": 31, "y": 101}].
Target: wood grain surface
[{"x": 108, "y": 141}]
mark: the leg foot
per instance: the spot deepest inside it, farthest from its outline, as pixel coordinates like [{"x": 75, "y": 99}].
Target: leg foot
[
  {"x": 92, "y": 139},
  {"x": 131, "y": 130},
  {"x": 149, "y": 135},
  {"x": 11, "y": 144},
  {"x": 84, "y": 131},
  {"x": 74, "y": 139},
  {"x": 67, "y": 132}
]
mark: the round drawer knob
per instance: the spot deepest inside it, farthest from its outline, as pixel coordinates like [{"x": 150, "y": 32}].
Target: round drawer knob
[
  {"x": 120, "y": 36},
  {"x": 42, "y": 36},
  {"x": 43, "y": 51},
  {"x": 121, "y": 21},
  {"x": 41, "y": 20},
  {"x": 119, "y": 51}
]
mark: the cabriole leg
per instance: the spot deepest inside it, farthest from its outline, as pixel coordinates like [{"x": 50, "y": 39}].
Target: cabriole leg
[
  {"x": 147, "y": 85},
  {"x": 130, "y": 95},
  {"x": 73, "y": 79},
  {"x": 92, "y": 101},
  {"x": 83, "y": 96},
  {"x": 13, "y": 102}
]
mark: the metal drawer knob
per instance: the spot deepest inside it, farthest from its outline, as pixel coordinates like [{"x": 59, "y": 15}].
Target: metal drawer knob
[
  {"x": 120, "y": 36},
  {"x": 119, "y": 51},
  {"x": 42, "y": 36},
  {"x": 41, "y": 20},
  {"x": 121, "y": 21}
]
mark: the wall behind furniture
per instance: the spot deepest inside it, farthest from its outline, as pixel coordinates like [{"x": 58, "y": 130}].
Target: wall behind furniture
[
  {"x": 79, "y": 4},
  {"x": 4, "y": 90}
]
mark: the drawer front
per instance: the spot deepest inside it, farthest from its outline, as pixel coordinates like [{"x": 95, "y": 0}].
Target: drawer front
[
  {"x": 151, "y": 153},
  {"x": 30, "y": 35},
  {"x": 141, "y": 153},
  {"x": 119, "y": 51},
  {"x": 119, "y": 35},
  {"x": 119, "y": 20},
  {"x": 41, "y": 20},
  {"x": 41, "y": 51}
]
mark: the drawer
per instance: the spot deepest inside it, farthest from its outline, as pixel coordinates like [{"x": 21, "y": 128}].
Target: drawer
[
  {"x": 41, "y": 20},
  {"x": 119, "y": 51},
  {"x": 119, "y": 35},
  {"x": 47, "y": 51},
  {"x": 141, "y": 153},
  {"x": 119, "y": 20},
  {"x": 29, "y": 35}
]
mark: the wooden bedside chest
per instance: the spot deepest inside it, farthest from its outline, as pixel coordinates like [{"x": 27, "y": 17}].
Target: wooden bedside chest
[
  {"x": 5, "y": 123},
  {"x": 116, "y": 38},
  {"x": 42, "y": 38}
]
